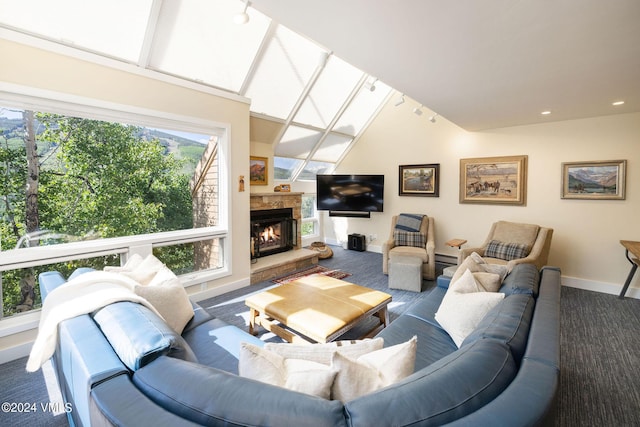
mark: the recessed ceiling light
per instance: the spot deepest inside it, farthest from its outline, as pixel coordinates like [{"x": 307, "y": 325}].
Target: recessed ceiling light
[
  {"x": 546, "y": 113},
  {"x": 617, "y": 103}
]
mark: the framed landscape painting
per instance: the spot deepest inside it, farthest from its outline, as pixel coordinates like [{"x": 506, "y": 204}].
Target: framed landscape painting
[
  {"x": 598, "y": 180},
  {"x": 419, "y": 180},
  {"x": 258, "y": 170},
  {"x": 494, "y": 180}
]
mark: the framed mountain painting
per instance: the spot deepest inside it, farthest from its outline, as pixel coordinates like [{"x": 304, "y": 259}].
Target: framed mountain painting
[{"x": 598, "y": 180}]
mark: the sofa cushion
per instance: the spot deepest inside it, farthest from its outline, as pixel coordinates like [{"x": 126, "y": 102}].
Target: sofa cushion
[
  {"x": 142, "y": 270},
  {"x": 167, "y": 295},
  {"x": 463, "y": 306},
  {"x": 506, "y": 251},
  {"x": 372, "y": 371},
  {"x": 507, "y": 322},
  {"x": 475, "y": 263},
  {"x": 300, "y": 375},
  {"x": 523, "y": 279},
  {"x": 450, "y": 388},
  {"x": 433, "y": 344},
  {"x": 138, "y": 335},
  {"x": 217, "y": 344},
  {"x": 354, "y": 375},
  {"x": 323, "y": 352},
  {"x": 209, "y": 396}
]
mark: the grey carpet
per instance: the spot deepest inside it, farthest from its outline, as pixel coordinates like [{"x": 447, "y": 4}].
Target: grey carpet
[{"x": 600, "y": 345}]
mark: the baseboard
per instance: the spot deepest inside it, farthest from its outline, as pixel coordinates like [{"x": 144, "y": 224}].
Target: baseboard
[
  {"x": 602, "y": 287},
  {"x": 219, "y": 290},
  {"x": 16, "y": 352}
]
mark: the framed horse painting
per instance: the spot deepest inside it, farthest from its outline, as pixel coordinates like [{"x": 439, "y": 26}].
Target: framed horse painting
[{"x": 494, "y": 180}]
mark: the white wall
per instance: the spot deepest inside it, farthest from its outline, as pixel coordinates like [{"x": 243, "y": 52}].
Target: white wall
[{"x": 586, "y": 232}]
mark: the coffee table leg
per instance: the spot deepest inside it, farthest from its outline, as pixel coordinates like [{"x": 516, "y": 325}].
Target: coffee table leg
[
  {"x": 253, "y": 313},
  {"x": 384, "y": 316}
]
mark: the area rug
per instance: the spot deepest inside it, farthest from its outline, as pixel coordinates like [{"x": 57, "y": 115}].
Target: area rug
[{"x": 316, "y": 269}]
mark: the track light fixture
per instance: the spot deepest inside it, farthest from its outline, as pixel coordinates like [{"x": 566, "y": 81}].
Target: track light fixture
[
  {"x": 432, "y": 119},
  {"x": 242, "y": 17},
  {"x": 418, "y": 110},
  {"x": 371, "y": 86},
  {"x": 400, "y": 100}
]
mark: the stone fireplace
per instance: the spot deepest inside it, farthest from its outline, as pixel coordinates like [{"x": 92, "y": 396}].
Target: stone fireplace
[
  {"x": 272, "y": 231},
  {"x": 276, "y": 243}
]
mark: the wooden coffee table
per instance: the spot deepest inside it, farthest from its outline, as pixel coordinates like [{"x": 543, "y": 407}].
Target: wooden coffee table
[{"x": 317, "y": 308}]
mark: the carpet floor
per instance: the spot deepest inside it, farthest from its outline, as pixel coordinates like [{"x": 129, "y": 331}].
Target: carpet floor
[{"x": 600, "y": 350}]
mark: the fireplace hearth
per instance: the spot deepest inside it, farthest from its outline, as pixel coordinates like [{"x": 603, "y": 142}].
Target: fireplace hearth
[{"x": 272, "y": 231}]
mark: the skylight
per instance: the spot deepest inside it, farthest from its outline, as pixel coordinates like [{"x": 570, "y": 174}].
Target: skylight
[{"x": 323, "y": 102}]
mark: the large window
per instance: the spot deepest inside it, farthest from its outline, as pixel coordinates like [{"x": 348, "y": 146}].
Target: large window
[{"x": 110, "y": 188}]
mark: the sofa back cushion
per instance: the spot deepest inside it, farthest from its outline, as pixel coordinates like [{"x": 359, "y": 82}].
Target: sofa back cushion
[
  {"x": 508, "y": 322},
  {"x": 450, "y": 388},
  {"x": 208, "y": 396},
  {"x": 138, "y": 335},
  {"x": 523, "y": 279}
]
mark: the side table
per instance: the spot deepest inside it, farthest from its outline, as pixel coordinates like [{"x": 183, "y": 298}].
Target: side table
[
  {"x": 454, "y": 243},
  {"x": 634, "y": 248}
]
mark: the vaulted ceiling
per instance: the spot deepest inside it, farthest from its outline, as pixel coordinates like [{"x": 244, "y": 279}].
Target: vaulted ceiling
[
  {"x": 317, "y": 71},
  {"x": 485, "y": 64}
]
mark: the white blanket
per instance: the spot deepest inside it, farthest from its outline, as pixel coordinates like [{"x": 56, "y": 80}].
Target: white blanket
[{"x": 81, "y": 295}]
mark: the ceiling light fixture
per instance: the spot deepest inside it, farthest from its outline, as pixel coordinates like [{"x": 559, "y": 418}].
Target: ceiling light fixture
[
  {"x": 400, "y": 101},
  {"x": 432, "y": 119},
  {"x": 418, "y": 110},
  {"x": 617, "y": 103},
  {"x": 243, "y": 17},
  {"x": 546, "y": 113}
]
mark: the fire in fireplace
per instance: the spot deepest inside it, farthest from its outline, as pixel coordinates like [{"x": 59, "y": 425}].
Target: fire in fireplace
[{"x": 272, "y": 231}]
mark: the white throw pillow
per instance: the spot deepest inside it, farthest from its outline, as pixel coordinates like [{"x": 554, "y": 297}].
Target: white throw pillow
[
  {"x": 133, "y": 261},
  {"x": 323, "y": 352},
  {"x": 145, "y": 271},
  {"x": 295, "y": 374},
  {"x": 167, "y": 295},
  {"x": 463, "y": 307},
  {"x": 477, "y": 264},
  {"x": 372, "y": 371}
]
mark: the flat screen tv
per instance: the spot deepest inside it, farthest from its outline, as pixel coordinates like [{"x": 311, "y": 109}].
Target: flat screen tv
[{"x": 354, "y": 193}]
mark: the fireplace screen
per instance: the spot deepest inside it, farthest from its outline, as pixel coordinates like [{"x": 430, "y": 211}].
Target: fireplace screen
[{"x": 272, "y": 231}]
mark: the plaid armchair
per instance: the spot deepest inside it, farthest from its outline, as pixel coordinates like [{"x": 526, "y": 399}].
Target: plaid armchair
[
  {"x": 420, "y": 243},
  {"x": 511, "y": 243}
]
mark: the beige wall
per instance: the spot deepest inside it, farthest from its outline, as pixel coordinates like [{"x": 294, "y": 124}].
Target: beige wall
[{"x": 586, "y": 233}]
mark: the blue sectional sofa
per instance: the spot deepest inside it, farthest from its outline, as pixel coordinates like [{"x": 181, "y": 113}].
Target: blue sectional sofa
[{"x": 123, "y": 366}]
